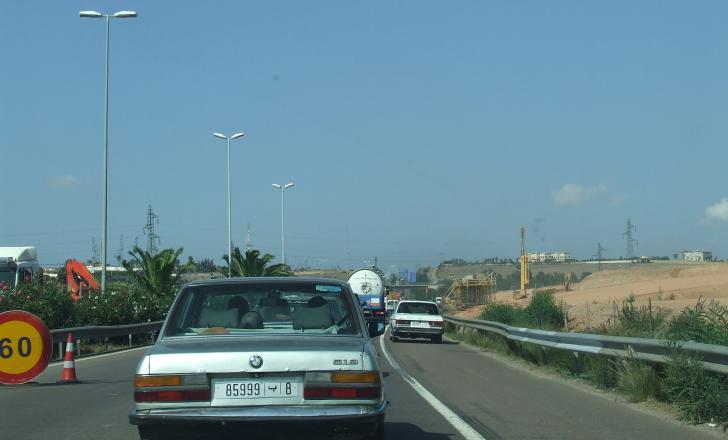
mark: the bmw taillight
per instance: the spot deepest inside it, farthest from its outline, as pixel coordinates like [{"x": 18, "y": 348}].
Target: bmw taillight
[
  {"x": 171, "y": 388},
  {"x": 402, "y": 322},
  {"x": 343, "y": 385},
  {"x": 436, "y": 323}
]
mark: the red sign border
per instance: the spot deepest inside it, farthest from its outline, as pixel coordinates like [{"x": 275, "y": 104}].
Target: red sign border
[{"x": 45, "y": 357}]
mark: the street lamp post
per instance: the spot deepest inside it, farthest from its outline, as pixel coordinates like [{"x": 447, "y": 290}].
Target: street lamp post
[
  {"x": 104, "y": 210},
  {"x": 283, "y": 219},
  {"x": 230, "y": 238}
]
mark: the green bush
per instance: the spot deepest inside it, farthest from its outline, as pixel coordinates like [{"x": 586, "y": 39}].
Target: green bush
[
  {"x": 533, "y": 353},
  {"x": 508, "y": 314},
  {"x": 563, "y": 360},
  {"x": 49, "y": 301},
  {"x": 600, "y": 370},
  {"x": 708, "y": 325},
  {"x": 640, "y": 322},
  {"x": 637, "y": 380},
  {"x": 543, "y": 311},
  {"x": 699, "y": 396},
  {"x": 121, "y": 304}
]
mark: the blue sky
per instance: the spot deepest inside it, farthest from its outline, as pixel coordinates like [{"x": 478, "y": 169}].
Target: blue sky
[{"x": 414, "y": 131}]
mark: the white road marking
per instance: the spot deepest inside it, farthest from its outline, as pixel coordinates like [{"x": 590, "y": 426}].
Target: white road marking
[
  {"x": 54, "y": 364},
  {"x": 459, "y": 424}
]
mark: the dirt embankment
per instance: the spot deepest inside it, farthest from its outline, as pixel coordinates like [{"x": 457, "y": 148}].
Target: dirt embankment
[{"x": 669, "y": 286}]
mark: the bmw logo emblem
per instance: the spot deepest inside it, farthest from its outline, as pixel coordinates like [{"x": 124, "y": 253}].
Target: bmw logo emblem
[{"x": 256, "y": 361}]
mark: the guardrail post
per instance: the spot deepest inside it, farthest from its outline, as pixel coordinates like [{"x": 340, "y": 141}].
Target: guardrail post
[
  {"x": 78, "y": 347},
  {"x": 545, "y": 355},
  {"x": 60, "y": 350},
  {"x": 129, "y": 339},
  {"x": 577, "y": 363}
]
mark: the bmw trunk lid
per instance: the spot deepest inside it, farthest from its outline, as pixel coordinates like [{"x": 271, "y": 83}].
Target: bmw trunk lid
[{"x": 234, "y": 354}]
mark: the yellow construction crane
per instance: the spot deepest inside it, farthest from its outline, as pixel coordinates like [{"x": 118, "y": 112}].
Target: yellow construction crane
[{"x": 524, "y": 262}]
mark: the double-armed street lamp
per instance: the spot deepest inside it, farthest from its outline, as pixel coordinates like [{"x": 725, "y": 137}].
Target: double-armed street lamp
[
  {"x": 104, "y": 211},
  {"x": 283, "y": 187},
  {"x": 230, "y": 239}
]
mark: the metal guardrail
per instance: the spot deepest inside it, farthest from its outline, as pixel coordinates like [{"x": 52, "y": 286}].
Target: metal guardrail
[
  {"x": 60, "y": 335},
  {"x": 105, "y": 331},
  {"x": 715, "y": 357}
]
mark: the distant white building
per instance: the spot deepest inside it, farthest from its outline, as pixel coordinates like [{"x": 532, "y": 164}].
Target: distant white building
[
  {"x": 697, "y": 255},
  {"x": 550, "y": 257}
]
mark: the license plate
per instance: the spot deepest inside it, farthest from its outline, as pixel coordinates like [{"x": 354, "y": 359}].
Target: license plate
[
  {"x": 257, "y": 389},
  {"x": 420, "y": 324}
]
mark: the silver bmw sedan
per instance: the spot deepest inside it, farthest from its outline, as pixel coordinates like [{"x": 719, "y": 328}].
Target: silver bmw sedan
[{"x": 261, "y": 353}]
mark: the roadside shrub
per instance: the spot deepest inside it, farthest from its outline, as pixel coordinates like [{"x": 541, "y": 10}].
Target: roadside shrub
[
  {"x": 122, "y": 303},
  {"x": 562, "y": 360},
  {"x": 543, "y": 311},
  {"x": 49, "y": 301},
  {"x": 600, "y": 370},
  {"x": 533, "y": 353},
  {"x": 643, "y": 321},
  {"x": 637, "y": 380},
  {"x": 505, "y": 313},
  {"x": 699, "y": 396},
  {"x": 708, "y": 325}
]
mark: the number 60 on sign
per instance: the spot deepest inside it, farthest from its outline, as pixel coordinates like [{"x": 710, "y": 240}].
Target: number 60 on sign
[{"x": 25, "y": 347}]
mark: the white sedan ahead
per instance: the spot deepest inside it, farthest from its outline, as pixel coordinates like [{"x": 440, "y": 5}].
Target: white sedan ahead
[{"x": 416, "y": 319}]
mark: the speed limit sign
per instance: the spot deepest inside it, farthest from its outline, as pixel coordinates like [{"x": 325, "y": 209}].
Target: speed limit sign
[{"x": 25, "y": 347}]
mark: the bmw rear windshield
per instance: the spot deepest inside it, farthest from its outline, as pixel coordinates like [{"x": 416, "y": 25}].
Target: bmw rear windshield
[{"x": 263, "y": 308}]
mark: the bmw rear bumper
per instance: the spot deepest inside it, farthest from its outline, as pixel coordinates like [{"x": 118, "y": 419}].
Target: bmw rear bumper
[{"x": 216, "y": 415}]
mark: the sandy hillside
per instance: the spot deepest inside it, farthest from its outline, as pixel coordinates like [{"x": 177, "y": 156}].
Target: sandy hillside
[{"x": 667, "y": 286}]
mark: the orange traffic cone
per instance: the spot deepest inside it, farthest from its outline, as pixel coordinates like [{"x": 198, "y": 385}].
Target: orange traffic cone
[{"x": 69, "y": 365}]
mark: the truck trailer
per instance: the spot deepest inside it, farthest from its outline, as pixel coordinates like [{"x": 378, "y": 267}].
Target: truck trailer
[
  {"x": 368, "y": 285},
  {"x": 19, "y": 265}
]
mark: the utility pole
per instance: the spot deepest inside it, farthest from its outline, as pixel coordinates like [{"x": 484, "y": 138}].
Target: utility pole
[
  {"x": 631, "y": 241},
  {"x": 94, "y": 251},
  {"x": 599, "y": 255},
  {"x": 152, "y": 237},
  {"x": 524, "y": 262},
  {"x": 248, "y": 242},
  {"x": 120, "y": 251}
]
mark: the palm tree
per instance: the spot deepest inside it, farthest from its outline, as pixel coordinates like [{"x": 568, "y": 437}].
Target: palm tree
[
  {"x": 253, "y": 265},
  {"x": 158, "y": 273}
]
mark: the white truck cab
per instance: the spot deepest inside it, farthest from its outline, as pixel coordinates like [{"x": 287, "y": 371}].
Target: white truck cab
[{"x": 19, "y": 265}]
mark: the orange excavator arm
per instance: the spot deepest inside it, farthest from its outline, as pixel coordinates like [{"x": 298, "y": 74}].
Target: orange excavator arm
[{"x": 77, "y": 276}]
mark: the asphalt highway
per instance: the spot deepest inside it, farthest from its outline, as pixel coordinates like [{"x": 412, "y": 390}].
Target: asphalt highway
[
  {"x": 505, "y": 401},
  {"x": 491, "y": 397},
  {"x": 98, "y": 407}
]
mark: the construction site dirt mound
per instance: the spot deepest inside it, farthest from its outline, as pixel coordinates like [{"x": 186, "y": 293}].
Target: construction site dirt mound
[
  {"x": 649, "y": 272},
  {"x": 592, "y": 302}
]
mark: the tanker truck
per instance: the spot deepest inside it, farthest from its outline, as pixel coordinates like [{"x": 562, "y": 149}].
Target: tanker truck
[
  {"x": 18, "y": 265},
  {"x": 368, "y": 284}
]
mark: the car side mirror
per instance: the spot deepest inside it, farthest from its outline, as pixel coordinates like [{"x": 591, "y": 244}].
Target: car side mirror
[{"x": 374, "y": 330}]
